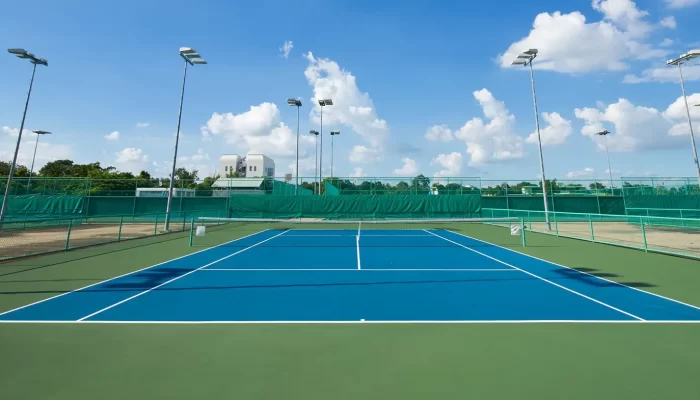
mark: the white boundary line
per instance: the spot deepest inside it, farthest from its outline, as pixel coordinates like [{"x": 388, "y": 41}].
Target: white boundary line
[
  {"x": 358, "y": 250},
  {"x": 378, "y": 322},
  {"x": 179, "y": 277},
  {"x": 353, "y": 269},
  {"x": 580, "y": 272},
  {"x": 543, "y": 279},
  {"x": 128, "y": 273}
]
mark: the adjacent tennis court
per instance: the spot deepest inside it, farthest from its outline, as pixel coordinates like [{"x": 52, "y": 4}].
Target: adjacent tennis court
[{"x": 335, "y": 273}]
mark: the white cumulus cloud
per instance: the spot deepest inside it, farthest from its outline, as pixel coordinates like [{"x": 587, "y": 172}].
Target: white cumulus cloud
[
  {"x": 131, "y": 159},
  {"x": 114, "y": 136},
  {"x": 681, "y": 3},
  {"x": 439, "y": 133},
  {"x": 586, "y": 172},
  {"x": 142, "y": 124},
  {"x": 665, "y": 74},
  {"x": 352, "y": 107},
  {"x": 555, "y": 132},
  {"x": 619, "y": 37},
  {"x": 286, "y": 48},
  {"x": 46, "y": 150},
  {"x": 409, "y": 167},
  {"x": 493, "y": 140},
  {"x": 257, "y": 130},
  {"x": 358, "y": 173},
  {"x": 451, "y": 164},
  {"x": 637, "y": 127},
  {"x": 668, "y": 22}
]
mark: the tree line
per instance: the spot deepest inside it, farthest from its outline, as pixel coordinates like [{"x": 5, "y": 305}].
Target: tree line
[{"x": 109, "y": 181}]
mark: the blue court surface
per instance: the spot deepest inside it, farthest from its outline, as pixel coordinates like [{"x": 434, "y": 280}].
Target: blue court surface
[{"x": 333, "y": 276}]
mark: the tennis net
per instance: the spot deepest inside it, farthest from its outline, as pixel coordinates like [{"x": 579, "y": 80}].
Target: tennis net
[{"x": 207, "y": 232}]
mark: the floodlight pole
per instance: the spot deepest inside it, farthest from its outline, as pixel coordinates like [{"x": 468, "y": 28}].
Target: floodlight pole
[
  {"x": 296, "y": 188},
  {"x": 191, "y": 57},
  {"x": 6, "y": 198},
  {"x": 690, "y": 125},
  {"x": 539, "y": 144},
  {"x": 317, "y": 191},
  {"x": 605, "y": 134},
  {"x": 322, "y": 103},
  {"x": 297, "y": 104},
  {"x": 168, "y": 208},
  {"x": 36, "y": 145},
  {"x": 333, "y": 133}
]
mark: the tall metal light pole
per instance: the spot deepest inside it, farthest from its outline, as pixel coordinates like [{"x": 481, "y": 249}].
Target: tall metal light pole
[
  {"x": 605, "y": 134},
  {"x": 525, "y": 58},
  {"x": 21, "y": 53},
  {"x": 297, "y": 104},
  {"x": 333, "y": 133},
  {"x": 322, "y": 103},
  {"x": 191, "y": 57},
  {"x": 315, "y": 133},
  {"x": 678, "y": 61},
  {"x": 36, "y": 145}
]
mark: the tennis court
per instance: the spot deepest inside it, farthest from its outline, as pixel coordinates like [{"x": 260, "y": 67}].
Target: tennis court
[{"x": 340, "y": 273}]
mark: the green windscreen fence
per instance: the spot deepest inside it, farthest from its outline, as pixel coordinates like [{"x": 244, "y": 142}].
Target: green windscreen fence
[
  {"x": 284, "y": 188},
  {"x": 41, "y": 207},
  {"x": 573, "y": 204},
  {"x": 334, "y": 207},
  {"x": 331, "y": 190}
]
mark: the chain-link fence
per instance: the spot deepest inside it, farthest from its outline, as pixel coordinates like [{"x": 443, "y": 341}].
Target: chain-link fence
[
  {"x": 22, "y": 238},
  {"x": 679, "y": 236}
]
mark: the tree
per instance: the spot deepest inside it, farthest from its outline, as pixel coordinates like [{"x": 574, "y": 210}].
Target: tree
[
  {"x": 421, "y": 184},
  {"x": 596, "y": 185},
  {"x": 20, "y": 170}
]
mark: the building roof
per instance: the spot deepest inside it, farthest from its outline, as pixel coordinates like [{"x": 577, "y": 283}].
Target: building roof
[{"x": 250, "y": 183}]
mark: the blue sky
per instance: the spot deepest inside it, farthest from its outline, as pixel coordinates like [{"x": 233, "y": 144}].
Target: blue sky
[{"x": 419, "y": 87}]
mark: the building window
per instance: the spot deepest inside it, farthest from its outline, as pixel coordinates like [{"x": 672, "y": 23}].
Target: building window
[
  {"x": 255, "y": 168},
  {"x": 250, "y": 168},
  {"x": 226, "y": 168}
]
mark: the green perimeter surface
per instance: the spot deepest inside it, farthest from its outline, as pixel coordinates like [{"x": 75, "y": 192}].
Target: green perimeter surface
[{"x": 506, "y": 361}]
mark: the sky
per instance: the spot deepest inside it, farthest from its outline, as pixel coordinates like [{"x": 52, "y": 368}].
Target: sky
[{"x": 418, "y": 87}]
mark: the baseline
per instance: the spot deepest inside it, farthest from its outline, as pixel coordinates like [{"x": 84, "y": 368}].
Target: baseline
[
  {"x": 353, "y": 269},
  {"x": 541, "y": 278},
  {"x": 581, "y": 272},
  {"x": 128, "y": 273},
  {"x": 178, "y": 277}
]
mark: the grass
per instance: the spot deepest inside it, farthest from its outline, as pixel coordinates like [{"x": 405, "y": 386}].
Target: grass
[{"x": 546, "y": 361}]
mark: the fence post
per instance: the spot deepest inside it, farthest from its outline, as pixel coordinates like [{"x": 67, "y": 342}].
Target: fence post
[
  {"x": 522, "y": 230},
  {"x": 644, "y": 235},
  {"x": 590, "y": 223},
  {"x": 191, "y": 232},
  {"x": 184, "y": 220},
  {"x": 121, "y": 223},
  {"x": 556, "y": 224},
  {"x": 70, "y": 225},
  {"x": 155, "y": 227}
]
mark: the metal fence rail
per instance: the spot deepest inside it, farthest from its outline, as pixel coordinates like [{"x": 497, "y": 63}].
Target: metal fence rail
[
  {"x": 677, "y": 236},
  {"x": 22, "y": 238}
]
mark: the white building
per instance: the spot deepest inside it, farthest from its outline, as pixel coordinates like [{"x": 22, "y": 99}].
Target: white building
[
  {"x": 163, "y": 192},
  {"x": 250, "y": 166},
  {"x": 230, "y": 163},
  {"x": 259, "y": 166}
]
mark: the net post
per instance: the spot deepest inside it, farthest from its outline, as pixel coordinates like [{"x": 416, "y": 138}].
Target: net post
[
  {"x": 590, "y": 224},
  {"x": 121, "y": 223},
  {"x": 70, "y": 225},
  {"x": 522, "y": 230},
  {"x": 644, "y": 234},
  {"x": 191, "y": 231}
]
